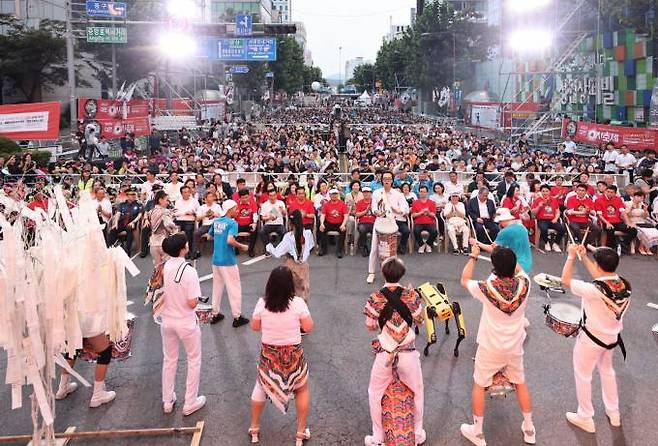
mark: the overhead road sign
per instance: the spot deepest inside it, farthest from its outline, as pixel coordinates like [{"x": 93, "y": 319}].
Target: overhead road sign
[
  {"x": 103, "y": 34},
  {"x": 106, "y": 9},
  {"x": 252, "y": 49},
  {"x": 243, "y": 25},
  {"x": 239, "y": 69}
]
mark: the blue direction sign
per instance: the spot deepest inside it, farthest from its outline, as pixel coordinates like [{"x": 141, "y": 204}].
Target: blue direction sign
[
  {"x": 240, "y": 49},
  {"x": 243, "y": 25},
  {"x": 269, "y": 74},
  {"x": 106, "y": 9},
  {"x": 239, "y": 69}
]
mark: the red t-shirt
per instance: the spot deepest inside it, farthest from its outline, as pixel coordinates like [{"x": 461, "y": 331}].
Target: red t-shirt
[
  {"x": 246, "y": 213},
  {"x": 306, "y": 208},
  {"x": 265, "y": 196},
  {"x": 363, "y": 205},
  {"x": 418, "y": 206},
  {"x": 575, "y": 203},
  {"x": 559, "y": 190},
  {"x": 510, "y": 203},
  {"x": 334, "y": 213},
  {"x": 236, "y": 196},
  {"x": 547, "y": 208},
  {"x": 610, "y": 209}
]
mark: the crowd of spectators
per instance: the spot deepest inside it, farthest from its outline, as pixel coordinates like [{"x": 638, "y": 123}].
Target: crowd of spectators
[{"x": 453, "y": 181}]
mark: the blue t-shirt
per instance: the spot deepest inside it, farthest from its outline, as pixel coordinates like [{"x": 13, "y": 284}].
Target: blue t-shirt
[
  {"x": 223, "y": 253},
  {"x": 515, "y": 237}
]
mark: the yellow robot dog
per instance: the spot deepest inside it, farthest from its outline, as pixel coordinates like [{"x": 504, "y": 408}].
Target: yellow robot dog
[{"x": 438, "y": 306}]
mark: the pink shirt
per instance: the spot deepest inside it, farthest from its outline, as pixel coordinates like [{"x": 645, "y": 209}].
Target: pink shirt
[
  {"x": 281, "y": 328},
  {"x": 176, "y": 295}
]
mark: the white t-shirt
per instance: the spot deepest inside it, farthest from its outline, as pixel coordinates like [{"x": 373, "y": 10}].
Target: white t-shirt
[
  {"x": 601, "y": 321},
  {"x": 106, "y": 206},
  {"x": 500, "y": 332},
  {"x": 173, "y": 190},
  {"x": 627, "y": 161},
  {"x": 183, "y": 207},
  {"x": 395, "y": 199},
  {"x": 274, "y": 209},
  {"x": 610, "y": 159},
  {"x": 281, "y": 328},
  {"x": 201, "y": 212},
  {"x": 452, "y": 187},
  {"x": 569, "y": 147},
  {"x": 176, "y": 295}
]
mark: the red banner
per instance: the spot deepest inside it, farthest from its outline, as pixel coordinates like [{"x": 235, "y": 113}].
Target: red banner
[
  {"x": 39, "y": 120},
  {"x": 116, "y": 128},
  {"x": 102, "y": 109},
  {"x": 597, "y": 134}
]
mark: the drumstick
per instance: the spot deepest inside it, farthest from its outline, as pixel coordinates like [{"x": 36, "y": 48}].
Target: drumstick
[
  {"x": 486, "y": 259},
  {"x": 652, "y": 305},
  {"x": 573, "y": 242}
]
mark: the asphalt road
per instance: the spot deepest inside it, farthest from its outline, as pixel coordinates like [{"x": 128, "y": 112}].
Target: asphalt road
[{"x": 339, "y": 357}]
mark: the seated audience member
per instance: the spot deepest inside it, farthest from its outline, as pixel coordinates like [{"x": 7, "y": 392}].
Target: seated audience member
[
  {"x": 547, "y": 211},
  {"x": 423, "y": 214},
  {"x": 205, "y": 215},
  {"x": 365, "y": 220},
  {"x": 612, "y": 213},
  {"x": 454, "y": 214},
  {"x": 333, "y": 217},
  {"x": 305, "y": 206},
  {"x": 272, "y": 213},
  {"x": 481, "y": 210},
  {"x": 579, "y": 207}
]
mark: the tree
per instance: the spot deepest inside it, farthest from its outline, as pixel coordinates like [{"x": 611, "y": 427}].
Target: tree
[
  {"x": 288, "y": 68},
  {"x": 637, "y": 14},
  {"x": 312, "y": 74},
  {"x": 32, "y": 59},
  {"x": 363, "y": 77}
]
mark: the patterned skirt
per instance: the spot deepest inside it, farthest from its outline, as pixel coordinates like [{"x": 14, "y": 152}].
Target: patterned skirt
[
  {"x": 648, "y": 236},
  {"x": 282, "y": 369},
  {"x": 300, "y": 277},
  {"x": 398, "y": 414}
]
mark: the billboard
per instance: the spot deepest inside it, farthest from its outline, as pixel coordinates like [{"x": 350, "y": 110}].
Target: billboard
[
  {"x": 240, "y": 49},
  {"x": 39, "y": 120},
  {"x": 597, "y": 134}
]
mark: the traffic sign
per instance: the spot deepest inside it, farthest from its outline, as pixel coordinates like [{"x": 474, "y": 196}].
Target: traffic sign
[
  {"x": 239, "y": 69},
  {"x": 252, "y": 49},
  {"x": 269, "y": 74},
  {"x": 243, "y": 25},
  {"x": 106, "y": 9},
  {"x": 104, "y": 34}
]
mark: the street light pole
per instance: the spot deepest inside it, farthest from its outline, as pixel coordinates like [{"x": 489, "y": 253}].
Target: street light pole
[
  {"x": 340, "y": 69},
  {"x": 70, "y": 63}
]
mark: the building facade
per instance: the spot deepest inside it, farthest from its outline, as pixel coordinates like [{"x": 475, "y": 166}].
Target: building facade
[
  {"x": 283, "y": 10},
  {"x": 224, "y": 11},
  {"x": 350, "y": 66}
]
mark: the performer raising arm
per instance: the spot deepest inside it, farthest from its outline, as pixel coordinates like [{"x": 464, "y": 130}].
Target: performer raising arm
[
  {"x": 500, "y": 336},
  {"x": 605, "y": 301}
]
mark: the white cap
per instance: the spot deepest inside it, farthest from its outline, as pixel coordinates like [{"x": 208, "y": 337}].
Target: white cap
[
  {"x": 227, "y": 206},
  {"x": 367, "y": 189},
  {"x": 334, "y": 191},
  {"x": 503, "y": 214}
]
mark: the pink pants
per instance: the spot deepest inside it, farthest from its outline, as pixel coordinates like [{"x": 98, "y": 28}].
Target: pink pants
[
  {"x": 586, "y": 356},
  {"x": 381, "y": 376},
  {"x": 190, "y": 335},
  {"x": 229, "y": 276}
]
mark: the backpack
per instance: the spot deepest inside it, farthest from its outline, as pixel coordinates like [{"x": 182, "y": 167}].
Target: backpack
[{"x": 154, "y": 293}]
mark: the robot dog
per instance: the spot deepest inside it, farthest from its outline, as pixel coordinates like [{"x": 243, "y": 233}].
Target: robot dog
[{"x": 438, "y": 306}]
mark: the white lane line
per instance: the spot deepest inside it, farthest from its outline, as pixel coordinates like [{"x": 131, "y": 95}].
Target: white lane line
[
  {"x": 256, "y": 259},
  {"x": 652, "y": 305}
]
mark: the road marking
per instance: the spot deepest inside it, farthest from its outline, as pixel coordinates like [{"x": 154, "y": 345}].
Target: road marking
[
  {"x": 652, "y": 305},
  {"x": 256, "y": 259}
]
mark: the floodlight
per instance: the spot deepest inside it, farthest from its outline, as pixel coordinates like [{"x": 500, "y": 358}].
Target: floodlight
[
  {"x": 530, "y": 40},
  {"x": 177, "y": 45},
  {"x": 523, "y": 6},
  {"x": 181, "y": 9}
]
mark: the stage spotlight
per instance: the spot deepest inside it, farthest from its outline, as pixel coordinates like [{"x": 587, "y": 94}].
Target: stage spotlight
[{"x": 531, "y": 40}]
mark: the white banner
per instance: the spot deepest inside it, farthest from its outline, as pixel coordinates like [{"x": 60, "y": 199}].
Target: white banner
[
  {"x": 487, "y": 116},
  {"x": 24, "y": 122}
]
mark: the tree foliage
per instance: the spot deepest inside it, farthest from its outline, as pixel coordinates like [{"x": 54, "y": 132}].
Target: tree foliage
[
  {"x": 637, "y": 14},
  {"x": 363, "y": 77},
  {"x": 423, "y": 56},
  {"x": 32, "y": 59},
  {"x": 288, "y": 68}
]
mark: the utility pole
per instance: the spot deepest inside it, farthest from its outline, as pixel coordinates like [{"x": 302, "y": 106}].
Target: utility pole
[
  {"x": 70, "y": 63},
  {"x": 114, "y": 70}
]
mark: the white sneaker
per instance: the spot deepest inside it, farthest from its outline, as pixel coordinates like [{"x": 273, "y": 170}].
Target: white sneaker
[
  {"x": 370, "y": 441},
  {"x": 615, "y": 419},
  {"x": 468, "y": 431},
  {"x": 529, "y": 434},
  {"x": 198, "y": 404},
  {"x": 370, "y": 278},
  {"x": 66, "y": 390},
  {"x": 102, "y": 397},
  {"x": 586, "y": 424},
  {"x": 428, "y": 248},
  {"x": 556, "y": 247},
  {"x": 169, "y": 407},
  {"x": 420, "y": 439},
  {"x": 421, "y": 249},
  {"x": 547, "y": 247}
]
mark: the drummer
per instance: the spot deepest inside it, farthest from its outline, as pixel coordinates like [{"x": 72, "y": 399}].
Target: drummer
[
  {"x": 179, "y": 324},
  {"x": 500, "y": 336},
  {"x": 604, "y": 302},
  {"x": 387, "y": 204}
]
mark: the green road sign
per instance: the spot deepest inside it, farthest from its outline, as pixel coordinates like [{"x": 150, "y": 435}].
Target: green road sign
[{"x": 103, "y": 34}]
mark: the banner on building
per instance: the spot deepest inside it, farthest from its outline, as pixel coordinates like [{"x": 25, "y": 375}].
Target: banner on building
[
  {"x": 486, "y": 116},
  {"x": 102, "y": 109},
  {"x": 39, "y": 121},
  {"x": 116, "y": 128},
  {"x": 597, "y": 134}
]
